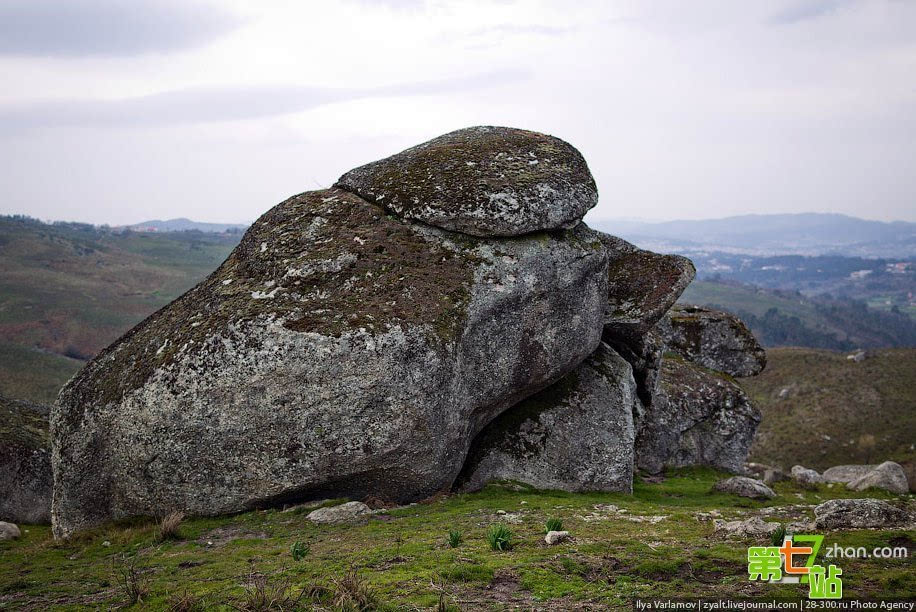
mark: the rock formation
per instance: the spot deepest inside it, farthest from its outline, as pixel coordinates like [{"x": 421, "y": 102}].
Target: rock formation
[
  {"x": 25, "y": 462},
  {"x": 435, "y": 317},
  {"x": 338, "y": 350}
]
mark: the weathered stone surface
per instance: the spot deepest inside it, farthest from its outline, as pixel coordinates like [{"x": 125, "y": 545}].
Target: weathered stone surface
[
  {"x": 888, "y": 476},
  {"x": 576, "y": 435},
  {"x": 805, "y": 476},
  {"x": 349, "y": 512},
  {"x": 642, "y": 286},
  {"x": 8, "y": 531},
  {"x": 25, "y": 462},
  {"x": 555, "y": 537},
  {"x": 859, "y": 514},
  {"x": 754, "y": 527},
  {"x": 337, "y": 352},
  {"x": 483, "y": 181},
  {"x": 847, "y": 473},
  {"x": 714, "y": 339},
  {"x": 697, "y": 418},
  {"x": 745, "y": 487}
]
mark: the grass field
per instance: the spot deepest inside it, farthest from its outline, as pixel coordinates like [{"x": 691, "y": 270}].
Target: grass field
[{"x": 653, "y": 543}]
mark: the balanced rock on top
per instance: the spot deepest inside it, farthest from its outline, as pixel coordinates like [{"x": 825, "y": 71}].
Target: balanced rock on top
[
  {"x": 484, "y": 181},
  {"x": 341, "y": 351}
]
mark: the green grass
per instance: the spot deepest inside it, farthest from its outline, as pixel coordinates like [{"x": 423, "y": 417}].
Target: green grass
[{"x": 611, "y": 560}]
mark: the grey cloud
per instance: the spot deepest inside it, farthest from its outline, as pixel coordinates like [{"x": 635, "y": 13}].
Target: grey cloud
[
  {"x": 202, "y": 105},
  {"x": 807, "y": 9},
  {"x": 78, "y": 28}
]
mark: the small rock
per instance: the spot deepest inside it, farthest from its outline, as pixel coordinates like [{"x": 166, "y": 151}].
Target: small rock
[
  {"x": 752, "y": 527},
  {"x": 847, "y": 473},
  {"x": 745, "y": 487},
  {"x": 8, "y": 531},
  {"x": 106, "y": 543},
  {"x": 555, "y": 537},
  {"x": 350, "y": 512},
  {"x": 888, "y": 476},
  {"x": 805, "y": 476},
  {"x": 501, "y": 512},
  {"x": 857, "y": 357},
  {"x": 859, "y": 514}
]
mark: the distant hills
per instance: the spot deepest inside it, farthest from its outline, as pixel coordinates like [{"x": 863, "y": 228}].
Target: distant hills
[
  {"x": 185, "y": 225},
  {"x": 798, "y": 234}
]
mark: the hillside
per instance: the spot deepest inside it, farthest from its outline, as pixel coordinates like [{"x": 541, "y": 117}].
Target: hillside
[
  {"x": 68, "y": 290},
  {"x": 788, "y": 318},
  {"x": 821, "y": 409}
]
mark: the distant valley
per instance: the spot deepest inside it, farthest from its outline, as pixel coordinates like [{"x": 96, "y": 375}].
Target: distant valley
[{"x": 67, "y": 290}]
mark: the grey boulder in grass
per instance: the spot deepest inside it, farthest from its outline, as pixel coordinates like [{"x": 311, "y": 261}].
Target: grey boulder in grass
[
  {"x": 743, "y": 486},
  {"x": 483, "y": 181},
  {"x": 339, "y": 351},
  {"x": 576, "y": 435}
]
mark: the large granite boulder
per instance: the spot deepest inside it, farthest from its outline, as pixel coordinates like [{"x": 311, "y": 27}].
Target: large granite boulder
[
  {"x": 576, "y": 435},
  {"x": 713, "y": 339},
  {"x": 698, "y": 417},
  {"x": 338, "y": 352},
  {"x": 642, "y": 286},
  {"x": 484, "y": 181},
  {"x": 25, "y": 462}
]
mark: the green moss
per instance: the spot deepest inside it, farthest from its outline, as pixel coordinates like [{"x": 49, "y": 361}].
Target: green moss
[{"x": 332, "y": 262}]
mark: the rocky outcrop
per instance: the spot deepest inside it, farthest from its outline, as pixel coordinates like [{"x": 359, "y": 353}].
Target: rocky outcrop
[
  {"x": 25, "y": 462},
  {"x": 888, "y": 476},
  {"x": 576, "y": 435},
  {"x": 743, "y": 486},
  {"x": 339, "y": 351},
  {"x": 697, "y": 417},
  {"x": 642, "y": 286},
  {"x": 483, "y": 181},
  {"x": 713, "y": 339},
  {"x": 859, "y": 514}
]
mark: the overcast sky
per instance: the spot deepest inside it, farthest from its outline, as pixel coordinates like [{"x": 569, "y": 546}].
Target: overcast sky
[{"x": 117, "y": 112}]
